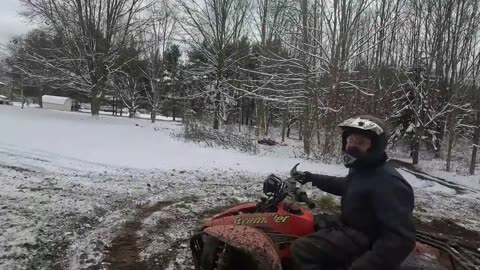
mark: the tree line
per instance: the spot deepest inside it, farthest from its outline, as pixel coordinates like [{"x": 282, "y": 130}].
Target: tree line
[{"x": 306, "y": 64}]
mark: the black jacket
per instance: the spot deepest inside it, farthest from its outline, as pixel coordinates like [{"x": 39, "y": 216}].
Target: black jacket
[{"x": 378, "y": 202}]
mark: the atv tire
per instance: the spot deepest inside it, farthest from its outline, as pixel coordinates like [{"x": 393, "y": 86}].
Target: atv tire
[{"x": 217, "y": 255}]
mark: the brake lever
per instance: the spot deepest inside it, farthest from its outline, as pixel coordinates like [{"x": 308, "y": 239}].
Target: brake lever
[{"x": 294, "y": 171}]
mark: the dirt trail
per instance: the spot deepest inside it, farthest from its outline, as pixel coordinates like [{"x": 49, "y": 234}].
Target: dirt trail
[
  {"x": 124, "y": 251},
  {"x": 123, "y": 254},
  {"x": 448, "y": 229}
]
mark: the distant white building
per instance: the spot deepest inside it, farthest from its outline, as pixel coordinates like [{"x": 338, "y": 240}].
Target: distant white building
[{"x": 57, "y": 103}]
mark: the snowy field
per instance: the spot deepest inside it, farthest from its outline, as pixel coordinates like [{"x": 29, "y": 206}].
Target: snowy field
[{"x": 78, "y": 192}]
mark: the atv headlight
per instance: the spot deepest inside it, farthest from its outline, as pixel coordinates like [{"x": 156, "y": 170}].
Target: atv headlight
[{"x": 273, "y": 185}]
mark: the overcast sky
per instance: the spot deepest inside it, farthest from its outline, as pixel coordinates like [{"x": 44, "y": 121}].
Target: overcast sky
[{"x": 11, "y": 23}]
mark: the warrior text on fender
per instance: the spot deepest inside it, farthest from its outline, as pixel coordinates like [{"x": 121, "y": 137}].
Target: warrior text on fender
[{"x": 250, "y": 220}]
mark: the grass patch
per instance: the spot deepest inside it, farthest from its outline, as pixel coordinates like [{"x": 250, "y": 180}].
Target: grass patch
[
  {"x": 190, "y": 199},
  {"x": 182, "y": 205},
  {"x": 327, "y": 203},
  {"x": 417, "y": 220}
]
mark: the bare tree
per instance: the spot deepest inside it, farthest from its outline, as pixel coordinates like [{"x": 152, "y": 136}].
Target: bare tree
[
  {"x": 92, "y": 33},
  {"x": 475, "y": 97},
  {"x": 29, "y": 60},
  {"x": 323, "y": 45},
  {"x": 127, "y": 87},
  {"x": 156, "y": 37},
  {"x": 214, "y": 26},
  {"x": 270, "y": 20}
]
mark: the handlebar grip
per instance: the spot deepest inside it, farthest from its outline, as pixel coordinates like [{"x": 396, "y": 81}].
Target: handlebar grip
[{"x": 304, "y": 198}]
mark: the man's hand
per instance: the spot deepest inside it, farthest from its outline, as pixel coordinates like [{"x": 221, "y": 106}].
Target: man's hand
[{"x": 303, "y": 177}]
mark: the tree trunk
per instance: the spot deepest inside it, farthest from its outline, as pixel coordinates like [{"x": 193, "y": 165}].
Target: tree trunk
[
  {"x": 284, "y": 124},
  {"x": 416, "y": 145},
  {"x": 153, "y": 116},
  {"x": 174, "y": 110},
  {"x": 268, "y": 119},
  {"x": 266, "y": 116},
  {"x": 307, "y": 128},
  {"x": 449, "y": 151},
  {"x": 306, "y": 142},
  {"x": 300, "y": 130},
  {"x": 438, "y": 142},
  {"x": 289, "y": 129},
  {"x": 306, "y": 80},
  {"x": 415, "y": 149},
  {"x": 328, "y": 143},
  {"x": 11, "y": 91},
  {"x": 216, "y": 120},
  {"x": 23, "y": 98},
  {"x": 240, "y": 116},
  {"x": 113, "y": 107},
  {"x": 241, "y": 111},
  {"x": 251, "y": 111},
  {"x": 259, "y": 122},
  {"x": 216, "y": 123},
  {"x": 95, "y": 105},
  {"x": 40, "y": 94},
  {"x": 476, "y": 141},
  {"x": 451, "y": 140},
  {"x": 319, "y": 141},
  {"x": 131, "y": 113}
]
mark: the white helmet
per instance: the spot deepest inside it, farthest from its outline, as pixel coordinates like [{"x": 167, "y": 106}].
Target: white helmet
[{"x": 372, "y": 127}]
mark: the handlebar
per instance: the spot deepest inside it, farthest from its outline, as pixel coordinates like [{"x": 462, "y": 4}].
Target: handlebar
[
  {"x": 294, "y": 171},
  {"x": 278, "y": 189}
]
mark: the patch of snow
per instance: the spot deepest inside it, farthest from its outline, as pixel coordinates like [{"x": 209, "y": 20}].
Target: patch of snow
[
  {"x": 130, "y": 143},
  {"x": 26, "y": 106},
  {"x": 436, "y": 167},
  {"x": 426, "y": 185},
  {"x": 410, "y": 128},
  {"x": 472, "y": 181}
]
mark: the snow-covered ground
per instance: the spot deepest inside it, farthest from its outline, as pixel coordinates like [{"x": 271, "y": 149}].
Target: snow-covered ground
[
  {"x": 77, "y": 191},
  {"x": 30, "y": 105},
  {"x": 436, "y": 167}
]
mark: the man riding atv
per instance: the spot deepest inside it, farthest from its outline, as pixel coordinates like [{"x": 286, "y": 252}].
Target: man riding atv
[{"x": 375, "y": 230}]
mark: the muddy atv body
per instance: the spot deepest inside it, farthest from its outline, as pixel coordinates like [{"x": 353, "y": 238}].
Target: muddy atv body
[{"x": 258, "y": 235}]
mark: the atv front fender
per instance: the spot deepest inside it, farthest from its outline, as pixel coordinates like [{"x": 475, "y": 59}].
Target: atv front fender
[{"x": 250, "y": 240}]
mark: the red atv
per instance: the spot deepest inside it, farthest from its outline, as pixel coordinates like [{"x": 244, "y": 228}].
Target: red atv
[{"x": 258, "y": 235}]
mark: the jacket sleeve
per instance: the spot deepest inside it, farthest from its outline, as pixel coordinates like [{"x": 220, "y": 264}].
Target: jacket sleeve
[
  {"x": 331, "y": 184},
  {"x": 393, "y": 202}
]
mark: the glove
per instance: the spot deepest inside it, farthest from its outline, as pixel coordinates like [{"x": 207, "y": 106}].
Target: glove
[{"x": 303, "y": 177}]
